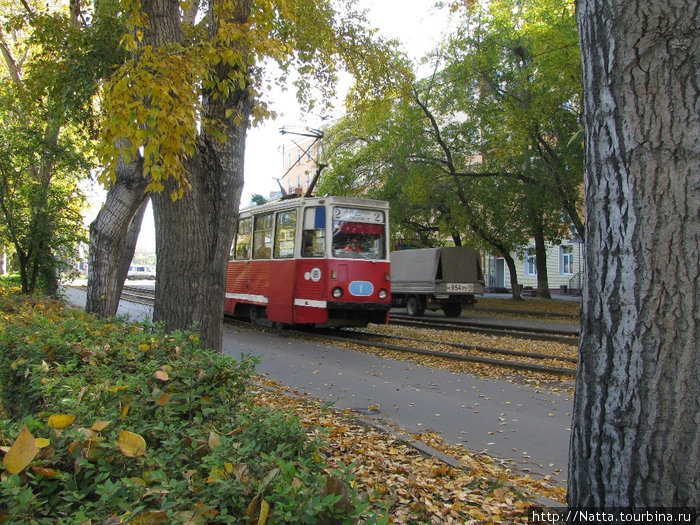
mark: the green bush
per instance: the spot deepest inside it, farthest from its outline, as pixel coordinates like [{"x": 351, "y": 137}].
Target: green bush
[{"x": 137, "y": 426}]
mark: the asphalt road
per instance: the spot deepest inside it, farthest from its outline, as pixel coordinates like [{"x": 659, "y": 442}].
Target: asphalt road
[{"x": 522, "y": 424}]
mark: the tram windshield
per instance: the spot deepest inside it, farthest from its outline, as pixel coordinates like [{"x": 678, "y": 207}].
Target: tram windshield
[{"x": 359, "y": 234}]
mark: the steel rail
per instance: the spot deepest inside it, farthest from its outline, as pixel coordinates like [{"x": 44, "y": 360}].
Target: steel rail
[
  {"x": 140, "y": 295},
  {"x": 537, "y": 334},
  {"x": 452, "y": 356}
]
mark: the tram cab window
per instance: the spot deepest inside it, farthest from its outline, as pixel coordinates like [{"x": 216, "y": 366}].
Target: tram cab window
[
  {"x": 314, "y": 232},
  {"x": 359, "y": 234},
  {"x": 262, "y": 236},
  {"x": 241, "y": 248},
  {"x": 285, "y": 233}
]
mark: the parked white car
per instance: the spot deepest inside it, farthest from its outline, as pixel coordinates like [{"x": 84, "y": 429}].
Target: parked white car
[{"x": 141, "y": 272}]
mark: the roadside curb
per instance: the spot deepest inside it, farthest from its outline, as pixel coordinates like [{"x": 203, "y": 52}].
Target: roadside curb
[{"x": 537, "y": 499}]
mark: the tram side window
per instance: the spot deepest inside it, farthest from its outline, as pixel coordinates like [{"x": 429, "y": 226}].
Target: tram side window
[
  {"x": 242, "y": 245},
  {"x": 314, "y": 234},
  {"x": 285, "y": 233},
  {"x": 262, "y": 236}
]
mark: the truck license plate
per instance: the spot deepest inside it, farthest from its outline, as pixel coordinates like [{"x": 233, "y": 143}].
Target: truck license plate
[{"x": 460, "y": 287}]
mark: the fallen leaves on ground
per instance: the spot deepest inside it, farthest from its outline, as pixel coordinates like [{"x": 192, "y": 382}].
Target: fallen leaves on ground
[
  {"x": 527, "y": 307},
  {"x": 551, "y": 381},
  {"x": 414, "y": 488}
]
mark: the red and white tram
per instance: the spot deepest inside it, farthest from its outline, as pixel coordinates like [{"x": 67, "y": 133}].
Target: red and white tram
[{"x": 321, "y": 261}]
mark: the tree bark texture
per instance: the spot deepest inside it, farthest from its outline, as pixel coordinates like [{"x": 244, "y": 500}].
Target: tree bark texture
[
  {"x": 541, "y": 262},
  {"x": 194, "y": 234},
  {"x": 635, "y": 439},
  {"x": 113, "y": 236},
  {"x": 194, "y": 240}
]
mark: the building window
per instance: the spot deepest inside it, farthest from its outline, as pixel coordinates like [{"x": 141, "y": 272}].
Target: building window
[
  {"x": 566, "y": 260},
  {"x": 530, "y": 262}
]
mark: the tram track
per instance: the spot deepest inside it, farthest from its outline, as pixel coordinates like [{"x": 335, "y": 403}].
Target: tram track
[
  {"x": 458, "y": 352},
  {"x": 450, "y": 351},
  {"x": 505, "y": 330},
  {"x": 136, "y": 294}
]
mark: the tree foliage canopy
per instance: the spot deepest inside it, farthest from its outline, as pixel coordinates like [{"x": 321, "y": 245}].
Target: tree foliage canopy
[
  {"x": 152, "y": 104},
  {"x": 488, "y": 145},
  {"x": 54, "y": 59}
]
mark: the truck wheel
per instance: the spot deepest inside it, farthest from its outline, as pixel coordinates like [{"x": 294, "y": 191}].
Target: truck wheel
[
  {"x": 414, "y": 306},
  {"x": 452, "y": 309}
]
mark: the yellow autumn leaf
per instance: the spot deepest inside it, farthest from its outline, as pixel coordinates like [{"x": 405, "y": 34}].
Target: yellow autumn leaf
[
  {"x": 131, "y": 444},
  {"x": 163, "y": 399},
  {"x": 214, "y": 440},
  {"x": 151, "y": 517},
  {"x": 21, "y": 453},
  {"x": 251, "y": 506},
  {"x": 144, "y": 347},
  {"x": 162, "y": 375},
  {"x": 116, "y": 388},
  {"x": 42, "y": 442},
  {"x": 264, "y": 510},
  {"x": 215, "y": 475},
  {"x": 16, "y": 364},
  {"x": 500, "y": 493},
  {"x": 99, "y": 426},
  {"x": 60, "y": 420}
]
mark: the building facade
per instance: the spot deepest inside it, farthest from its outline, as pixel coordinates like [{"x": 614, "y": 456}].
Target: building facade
[
  {"x": 300, "y": 160},
  {"x": 564, "y": 268}
]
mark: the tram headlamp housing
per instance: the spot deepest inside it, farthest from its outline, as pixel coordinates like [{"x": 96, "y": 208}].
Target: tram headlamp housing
[
  {"x": 383, "y": 294},
  {"x": 337, "y": 292}
]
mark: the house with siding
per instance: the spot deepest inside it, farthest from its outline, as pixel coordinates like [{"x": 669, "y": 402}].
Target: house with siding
[{"x": 564, "y": 268}]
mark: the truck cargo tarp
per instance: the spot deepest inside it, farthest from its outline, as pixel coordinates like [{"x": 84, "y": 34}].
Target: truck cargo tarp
[
  {"x": 458, "y": 265},
  {"x": 414, "y": 265},
  {"x": 435, "y": 264}
]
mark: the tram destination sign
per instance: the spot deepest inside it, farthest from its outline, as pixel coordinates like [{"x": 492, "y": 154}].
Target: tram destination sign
[{"x": 358, "y": 215}]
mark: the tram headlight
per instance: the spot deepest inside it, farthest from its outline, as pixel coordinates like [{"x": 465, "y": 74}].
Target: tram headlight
[
  {"x": 383, "y": 294},
  {"x": 337, "y": 292}
]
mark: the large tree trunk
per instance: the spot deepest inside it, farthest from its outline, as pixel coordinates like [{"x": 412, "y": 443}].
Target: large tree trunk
[
  {"x": 113, "y": 236},
  {"x": 635, "y": 439},
  {"x": 194, "y": 240},
  {"x": 194, "y": 234},
  {"x": 541, "y": 263},
  {"x": 514, "y": 285}
]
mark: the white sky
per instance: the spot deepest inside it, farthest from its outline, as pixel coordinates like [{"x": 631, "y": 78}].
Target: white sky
[{"x": 417, "y": 24}]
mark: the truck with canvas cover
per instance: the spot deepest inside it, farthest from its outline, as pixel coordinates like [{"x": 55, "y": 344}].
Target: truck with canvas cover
[{"x": 445, "y": 278}]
